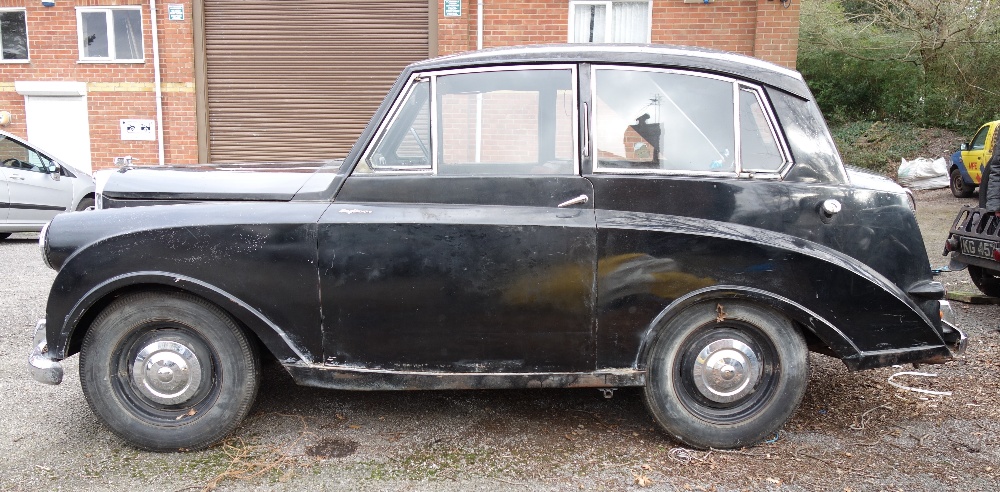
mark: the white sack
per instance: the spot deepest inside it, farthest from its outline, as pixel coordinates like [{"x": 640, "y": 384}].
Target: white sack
[{"x": 923, "y": 173}]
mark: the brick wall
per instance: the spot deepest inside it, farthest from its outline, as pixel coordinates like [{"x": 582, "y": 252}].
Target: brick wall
[
  {"x": 114, "y": 90},
  {"x": 761, "y": 28}
]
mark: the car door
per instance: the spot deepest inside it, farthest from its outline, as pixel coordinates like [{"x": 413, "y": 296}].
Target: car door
[
  {"x": 465, "y": 239},
  {"x": 36, "y": 188},
  {"x": 976, "y": 154},
  {"x": 4, "y": 197}
]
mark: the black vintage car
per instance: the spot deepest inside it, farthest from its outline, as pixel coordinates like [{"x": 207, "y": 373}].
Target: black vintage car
[{"x": 555, "y": 216}]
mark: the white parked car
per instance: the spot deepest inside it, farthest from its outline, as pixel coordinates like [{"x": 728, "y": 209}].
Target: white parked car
[{"x": 35, "y": 186}]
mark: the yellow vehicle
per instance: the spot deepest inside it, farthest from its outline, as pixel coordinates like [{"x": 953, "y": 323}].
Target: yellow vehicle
[{"x": 967, "y": 164}]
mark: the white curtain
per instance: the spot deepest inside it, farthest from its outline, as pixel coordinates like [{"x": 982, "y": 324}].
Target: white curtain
[
  {"x": 589, "y": 23},
  {"x": 631, "y": 22}
]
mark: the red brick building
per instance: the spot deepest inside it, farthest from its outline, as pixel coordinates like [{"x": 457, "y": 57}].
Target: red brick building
[{"x": 296, "y": 79}]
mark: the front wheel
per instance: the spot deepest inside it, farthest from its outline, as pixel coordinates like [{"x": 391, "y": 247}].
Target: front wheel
[
  {"x": 168, "y": 371},
  {"x": 85, "y": 204},
  {"x": 4, "y": 235},
  {"x": 725, "y": 374},
  {"x": 986, "y": 280},
  {"x": 959, "y": 187}
]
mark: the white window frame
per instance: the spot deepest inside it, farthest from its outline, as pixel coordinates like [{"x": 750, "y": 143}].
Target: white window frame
[
  {"x": 112, "y": 55},
  {"x": 27, "y": 36},
  {"x": 608, "y": 30}
]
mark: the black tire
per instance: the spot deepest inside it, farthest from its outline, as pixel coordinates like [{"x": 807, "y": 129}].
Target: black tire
[
  {"x": 988, "y": 281},
  {"x": 169, "y": 330},
  {"x": 4, "y": 235},
  {"x": 959, "y": 187},
  {"x": 720, "y": 412},
  {"x": 85, "y": 204}
]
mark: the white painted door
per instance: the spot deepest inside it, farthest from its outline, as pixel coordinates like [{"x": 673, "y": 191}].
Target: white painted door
[
  {"x": 56, "y": 115},
  {"x": 59, "y": 125}
]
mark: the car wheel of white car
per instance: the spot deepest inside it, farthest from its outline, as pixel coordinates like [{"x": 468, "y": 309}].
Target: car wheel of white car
[
  {"x": 85, "y": 204},
  {"x": 4, "y": 235},
  {"x": 168, "y": 371},
  {"x": 726, "y": 374}
]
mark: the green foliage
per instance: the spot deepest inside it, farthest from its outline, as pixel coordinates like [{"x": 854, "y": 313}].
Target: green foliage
[
  {"x": 877, "y": 146},
  {"x": 868, "y": 60}
]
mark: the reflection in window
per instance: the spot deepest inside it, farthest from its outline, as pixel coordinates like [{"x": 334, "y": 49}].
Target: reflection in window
[
  {"x": 406, "y": 143},
  {"x": 758, "y": 149},
  {"x": 509, "y": 122},
  {"x": 111, "y": 34},
  {"x": 13, "y": 35},
  {"x": 666, "y": 121}
]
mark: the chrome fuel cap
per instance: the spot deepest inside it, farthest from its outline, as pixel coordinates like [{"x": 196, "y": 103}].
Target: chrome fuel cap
[
  {"x": 726, "y": 370},
  {"x": 167, "y": 372}
]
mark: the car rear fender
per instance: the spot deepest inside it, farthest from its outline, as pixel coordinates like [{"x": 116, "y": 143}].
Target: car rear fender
[
  {"x": 65, "y": 337},
  {"x": 834, "y": 339}
]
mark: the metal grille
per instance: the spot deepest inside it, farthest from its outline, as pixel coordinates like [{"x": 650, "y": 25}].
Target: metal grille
[{"x": 299, "y": 79}]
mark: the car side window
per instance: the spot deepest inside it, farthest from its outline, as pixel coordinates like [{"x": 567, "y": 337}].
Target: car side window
[
  {"x": 759, "y": 151},
  {"x": 508, "y": 122},
  {"x": 406, "y": 142},
  {"x": 663, "y": 121},
  {"x": 979, "y": 142},
  {"x": 14, "y": 155}
]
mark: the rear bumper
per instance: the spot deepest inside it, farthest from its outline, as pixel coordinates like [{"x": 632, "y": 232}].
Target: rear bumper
[{"x": 43, "y": 368}]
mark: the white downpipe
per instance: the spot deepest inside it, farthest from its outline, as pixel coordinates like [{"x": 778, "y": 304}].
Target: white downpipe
[
  {"x": 156, "y": 81},
  {"x": 479, "y": 97}
]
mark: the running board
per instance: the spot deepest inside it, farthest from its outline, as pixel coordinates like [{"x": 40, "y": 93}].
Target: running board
[{"x": 361, "y": 379}]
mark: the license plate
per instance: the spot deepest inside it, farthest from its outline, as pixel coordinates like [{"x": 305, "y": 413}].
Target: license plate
[{"x": 978, "y": 247}]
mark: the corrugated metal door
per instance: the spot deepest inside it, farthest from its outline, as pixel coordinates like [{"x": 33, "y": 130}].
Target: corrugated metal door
[{"x": 299, "y": 79}]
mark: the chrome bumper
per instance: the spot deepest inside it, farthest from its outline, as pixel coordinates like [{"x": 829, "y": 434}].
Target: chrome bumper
[
  {"x": 40, "y": 365},
  {"x": 954, "y": 337}
]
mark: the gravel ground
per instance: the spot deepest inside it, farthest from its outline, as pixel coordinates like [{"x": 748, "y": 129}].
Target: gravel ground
[{"x": 853, "y": 431}]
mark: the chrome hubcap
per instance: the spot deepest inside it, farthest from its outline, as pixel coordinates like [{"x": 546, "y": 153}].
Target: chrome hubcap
[
  {"x": 167, "y": 372},
  {"x": 726, "y": 370}
]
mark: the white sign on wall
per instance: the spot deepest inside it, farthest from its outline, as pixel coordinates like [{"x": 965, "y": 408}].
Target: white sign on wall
[
  {"x": 138, "y": 129},
  {"x": 175, "y": 12}
]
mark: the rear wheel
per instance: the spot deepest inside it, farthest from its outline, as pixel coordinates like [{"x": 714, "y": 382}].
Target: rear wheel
[
  {"x": 725, "y": 374},
  {"x": 988, "y": 281},
  {"x": 4, "y": 235},
  {"x": 959, "y": 187},
  {"x": 168, "y": 371}
]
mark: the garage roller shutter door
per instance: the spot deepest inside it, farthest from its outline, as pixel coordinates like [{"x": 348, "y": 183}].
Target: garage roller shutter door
[{"x": 299, "y": 79}]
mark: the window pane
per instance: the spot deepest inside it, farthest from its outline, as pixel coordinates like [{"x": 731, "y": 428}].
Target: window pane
[
  {"x": 12, "y": 153},
  {"x": 14, "y": 35},
  {"x": 516, "y": 122},
  {"x": 979, "y": 142},
  {"x": 758, "y": 149},
  {"x": 589, "y": 23},
  {"x": 95, "y": 34},
  {"x": 631, "y": 22},
  {"x": 128, "y": 34},
  {"x": 406, "y": 143},
  {"x": 669, "y": 121}
]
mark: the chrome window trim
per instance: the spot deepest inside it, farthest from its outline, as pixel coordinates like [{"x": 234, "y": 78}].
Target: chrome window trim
[
  {"x": 771, "y": 119},
  {"x": 432, "y": 102},
  {"x": 394, "y": 110},
  {"x": 738, "y": 85}
]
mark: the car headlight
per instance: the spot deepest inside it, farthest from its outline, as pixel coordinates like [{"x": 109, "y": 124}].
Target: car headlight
[{"x": 43, "y": 244}]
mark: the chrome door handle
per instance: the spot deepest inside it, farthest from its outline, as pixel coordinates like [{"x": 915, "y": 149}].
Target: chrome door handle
[{"x": 574, "y": 201}]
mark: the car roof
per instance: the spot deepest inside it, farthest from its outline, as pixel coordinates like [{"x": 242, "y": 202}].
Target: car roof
[{"x": 681, "y": 57}]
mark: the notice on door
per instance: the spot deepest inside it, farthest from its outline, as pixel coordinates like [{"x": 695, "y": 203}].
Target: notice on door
[{"x": 138, "y": 129}]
